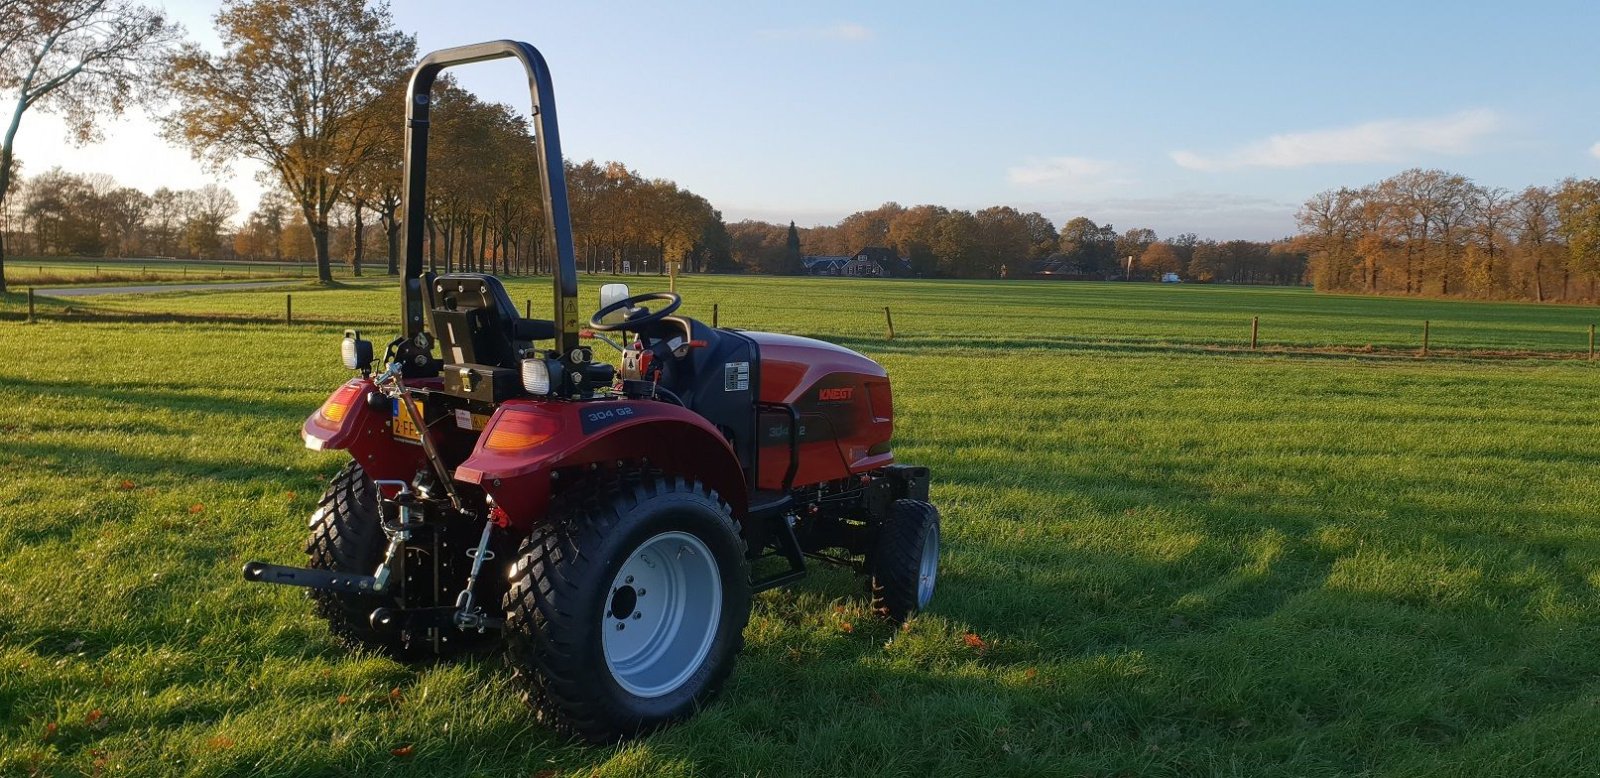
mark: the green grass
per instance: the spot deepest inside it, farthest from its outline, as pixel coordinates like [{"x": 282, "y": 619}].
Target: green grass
[
  {"x": 76, "y": 271},
  {"x": 1179, "y": 559}
]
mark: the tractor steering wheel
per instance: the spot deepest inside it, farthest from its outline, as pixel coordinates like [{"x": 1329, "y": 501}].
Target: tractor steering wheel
[{"x": 636, "y": 322}]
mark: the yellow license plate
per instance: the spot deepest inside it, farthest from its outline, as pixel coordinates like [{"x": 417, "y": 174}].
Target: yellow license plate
[{"x": 403, "y": 428}]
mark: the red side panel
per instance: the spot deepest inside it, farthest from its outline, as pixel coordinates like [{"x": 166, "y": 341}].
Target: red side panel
[
  {"x": 527, "y": 440},
  {"x": 843, "y": 399},
  {"x": 347, "y": 422}
]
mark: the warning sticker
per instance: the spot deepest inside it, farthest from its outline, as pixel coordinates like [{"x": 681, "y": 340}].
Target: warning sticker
[{"x": 736, "y": 377}]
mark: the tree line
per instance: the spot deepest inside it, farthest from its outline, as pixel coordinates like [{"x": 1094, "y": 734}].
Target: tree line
[
  {"x": 1433, "y": 232},
  {"x": 1002, "y": 241},
  {"x": 313, "y": 90},
  {"x": 59, "y": 213}
]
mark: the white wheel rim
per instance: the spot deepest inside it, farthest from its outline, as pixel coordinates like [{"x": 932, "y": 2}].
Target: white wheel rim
[
  {"x": 661, "y": 614},
  {"x": 929, "y": 569}
]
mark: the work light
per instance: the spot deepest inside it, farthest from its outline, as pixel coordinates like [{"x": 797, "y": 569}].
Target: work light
[
  {"x": 536, "y": 376},
  {"x": 355, "y": 352}
]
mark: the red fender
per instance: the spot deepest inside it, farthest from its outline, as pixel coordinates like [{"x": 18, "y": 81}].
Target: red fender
[
  {"x": 527, "y": 440},
  {"x": 346, "y": 422}
]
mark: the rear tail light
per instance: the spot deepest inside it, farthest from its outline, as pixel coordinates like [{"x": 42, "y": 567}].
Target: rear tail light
[
  {"x": 518, "y": 430},
  {"x": 338, "y": 405},
  {"x": 879, "y": 399}
]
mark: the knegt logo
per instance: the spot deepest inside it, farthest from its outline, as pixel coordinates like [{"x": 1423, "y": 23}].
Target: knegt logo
[{"x": 839, "y": 394}]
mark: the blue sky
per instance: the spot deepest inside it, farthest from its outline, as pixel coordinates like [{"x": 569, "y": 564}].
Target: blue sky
[{"x": 1215, "y": 118}]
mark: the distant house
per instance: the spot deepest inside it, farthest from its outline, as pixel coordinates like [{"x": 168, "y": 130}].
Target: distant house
[
  {"x": 869, "y": 262},
  {"x": 1060, "y": 268},
  {"x": 825, "y": 266}
]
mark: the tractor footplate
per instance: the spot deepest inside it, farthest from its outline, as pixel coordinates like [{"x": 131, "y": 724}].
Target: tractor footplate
[
  {"x": 261, "y": 572},
  {"x": 418, "y": 619}
]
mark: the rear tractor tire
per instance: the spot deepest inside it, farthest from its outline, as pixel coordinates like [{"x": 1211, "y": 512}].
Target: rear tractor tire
[
  {"x": 628, "y": 606},
  {"x": 347, "y": 536},
  {"x": 905, "y": 562}
]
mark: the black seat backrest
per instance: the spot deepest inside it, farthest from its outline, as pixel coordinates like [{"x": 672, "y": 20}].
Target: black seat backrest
[{"x": 475, "y": 321}]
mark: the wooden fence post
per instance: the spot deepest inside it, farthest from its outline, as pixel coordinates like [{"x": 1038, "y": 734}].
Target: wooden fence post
[
  {"x": 889, "y": 320},
  {"x": 1255, "y": 330},
  {"x": 527, "y": 305},
  {"x": 288, "y": 309},
  {"x": 30, "y": 305},
  {"x": 1425, "y": 324},
  {"x": 1591, "y": 343},
  {"x": 713, "y": 315}
]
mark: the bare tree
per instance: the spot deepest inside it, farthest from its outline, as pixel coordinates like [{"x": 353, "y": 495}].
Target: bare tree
[
  {"x": 84, "y": 59},
  {"x": 1536, "y": 231}
]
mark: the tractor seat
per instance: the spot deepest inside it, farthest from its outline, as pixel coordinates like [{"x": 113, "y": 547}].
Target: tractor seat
[{"x": 475, "y": 321}]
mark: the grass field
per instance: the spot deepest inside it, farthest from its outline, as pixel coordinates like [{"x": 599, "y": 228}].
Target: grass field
[
  {"x": 59, "y": 271},
  {"x": 1172, "y": 556}
]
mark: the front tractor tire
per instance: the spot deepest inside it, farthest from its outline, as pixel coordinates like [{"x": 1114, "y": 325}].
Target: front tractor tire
[
  {"x": 628, "y": 606},
  {"x": 905, "y": 562}
]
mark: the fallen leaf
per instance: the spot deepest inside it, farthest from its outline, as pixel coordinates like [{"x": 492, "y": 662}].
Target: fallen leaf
[
  {"x": 838, "y": 609},
  {"x": 344, "y": 699},
  {"x": 50, "y": 731},
  {"x": 404, "y": 750},
  {"x": 1031, "y": 673},
  {"x": 219, "y": 742},
  {"x": 196, "y": 508},
  {"x": 846, "y": 627},
  {"x": 973, "y": 641},
  {"x": 126, "y": 485},
  {"x": 292, "y": 495},
  {"x": 395, "y": 695},
  {"x": 96, "y": 719}
]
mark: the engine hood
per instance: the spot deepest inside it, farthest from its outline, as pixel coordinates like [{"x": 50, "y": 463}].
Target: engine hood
[{"x": 791, "y": 364}]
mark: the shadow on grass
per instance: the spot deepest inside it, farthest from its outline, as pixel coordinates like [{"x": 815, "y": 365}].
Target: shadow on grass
[
  {"x": 171, "y": 396},
  {"x": 1156, "y": 346},
  {"x": 93, "y": 316}
]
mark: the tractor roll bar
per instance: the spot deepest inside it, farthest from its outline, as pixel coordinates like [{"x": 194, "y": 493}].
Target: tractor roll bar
[{"x": 552, "y": 180}]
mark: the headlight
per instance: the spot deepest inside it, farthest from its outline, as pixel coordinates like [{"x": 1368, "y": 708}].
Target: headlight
[
  {"x": 347, "y": 352},
  {"x": 536, "y": 376},
  {"x": 355, "y": 353}
]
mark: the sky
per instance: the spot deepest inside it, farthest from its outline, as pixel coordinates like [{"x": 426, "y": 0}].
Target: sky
[{"x": 1215, "y": 118}]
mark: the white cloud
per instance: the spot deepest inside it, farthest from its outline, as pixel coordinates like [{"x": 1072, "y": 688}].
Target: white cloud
[
  {"x": 847, "y": 32},
  {"x": 1594, "y": 151},
  {"x": 1386, "y": 140},
  {"x": 1214, "y": 215},
  {"x": 1080, "y": 171}
]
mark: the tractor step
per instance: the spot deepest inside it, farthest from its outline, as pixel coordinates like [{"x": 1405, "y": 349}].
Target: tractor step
[{"x": 261, "y": 572}]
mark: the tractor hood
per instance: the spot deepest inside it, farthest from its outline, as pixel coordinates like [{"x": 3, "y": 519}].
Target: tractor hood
[{"x": 790, "y": 365}]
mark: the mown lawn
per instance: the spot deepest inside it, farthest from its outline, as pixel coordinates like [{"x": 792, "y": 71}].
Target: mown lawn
[
  {"x": 1162, "y": 558},
  {"x": 22, "y": 272}
]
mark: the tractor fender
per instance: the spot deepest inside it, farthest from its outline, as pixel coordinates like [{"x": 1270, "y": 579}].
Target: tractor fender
[
  {"x": 526, "y": 441},
  {"x": 349, "y": 421}
]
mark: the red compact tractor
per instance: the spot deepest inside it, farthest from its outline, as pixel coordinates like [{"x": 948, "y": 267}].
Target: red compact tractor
[{"x": 612, "y": 523}]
